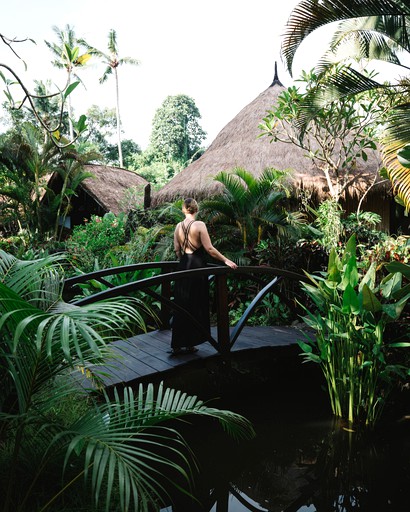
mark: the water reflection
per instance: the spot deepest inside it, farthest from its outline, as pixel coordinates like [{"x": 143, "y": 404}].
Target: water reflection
[{"x": 303, "y": 465}]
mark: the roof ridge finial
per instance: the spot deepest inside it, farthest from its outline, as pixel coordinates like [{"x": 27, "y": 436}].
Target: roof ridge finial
[{"x": 276, "y": 80}]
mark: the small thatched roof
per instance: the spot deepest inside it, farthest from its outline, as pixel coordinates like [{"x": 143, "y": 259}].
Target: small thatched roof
[
  {"x": 109, "y": 185},
  {"x": 239, "y": 144}
]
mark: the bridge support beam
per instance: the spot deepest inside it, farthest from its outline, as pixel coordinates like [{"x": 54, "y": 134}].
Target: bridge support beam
[
  {"x": 222, "y": 313},
  {"x": 165, "y": 312}
]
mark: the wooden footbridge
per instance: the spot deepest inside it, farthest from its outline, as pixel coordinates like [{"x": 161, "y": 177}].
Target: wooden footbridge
[{"x": 146, "y": 356}]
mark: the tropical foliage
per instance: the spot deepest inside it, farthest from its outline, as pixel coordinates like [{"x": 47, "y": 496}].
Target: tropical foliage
[
  {"x": 58, "y": 439},
  {"x": 24, "y": 166},
  {"x": 337, "y": 138},
  {"x": 367, "y": 31},
  {"x": 248, "y": 207},
  {"x": 154, "y": 168},
  {"x": 90, "y": 244},
  {"x": 100, "y": 138},
  {"x": 27, "y": 163},
  {"x": 349, "y": 318}
]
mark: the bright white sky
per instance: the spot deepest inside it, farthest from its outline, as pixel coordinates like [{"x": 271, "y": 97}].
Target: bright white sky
[{"x": 221, "y": 53}]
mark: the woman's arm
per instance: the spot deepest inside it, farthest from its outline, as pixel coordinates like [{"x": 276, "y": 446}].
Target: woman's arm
[
  {"x": 177, "y": 246},
  {"x": 210, "y": 249}
]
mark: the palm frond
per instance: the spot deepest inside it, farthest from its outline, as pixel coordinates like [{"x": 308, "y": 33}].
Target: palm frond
[
  {"x": 218, "y": 210},
  {"x": 37, "y": 281},
  {"x": 128, "y": 60},
  {"x": 127, "y": 443},
  {"x": 233, "y": 185},
  {"x": 375, "y": 37},
  {"x": 106, "y": 74},
  {"x": 112, "y": 41},
  {"x": 397, "y": 137},
  {"x": 310, "y": 15},
  {"x": 339, "y": 82}
]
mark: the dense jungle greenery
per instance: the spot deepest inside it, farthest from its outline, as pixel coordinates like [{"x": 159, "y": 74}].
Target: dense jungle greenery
[{"x": 128, "y": 446}]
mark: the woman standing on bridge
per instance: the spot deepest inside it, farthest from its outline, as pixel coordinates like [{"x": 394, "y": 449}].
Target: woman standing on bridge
[{"x": 191, "y": 243}]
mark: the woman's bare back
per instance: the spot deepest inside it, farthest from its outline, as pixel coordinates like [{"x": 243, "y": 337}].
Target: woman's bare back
[{"x": 188, "y": 235}]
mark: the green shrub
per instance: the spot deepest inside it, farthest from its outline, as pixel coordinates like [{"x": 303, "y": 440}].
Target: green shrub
[
  {"x": 94, "y": 240},
  {"x": 271, "y": 311},
  {"x": 389, "y": 249},
  {"x": 292, "y": 253},
  {"x": 13, "y": 244},
  {"x": 363, "y": 226}
]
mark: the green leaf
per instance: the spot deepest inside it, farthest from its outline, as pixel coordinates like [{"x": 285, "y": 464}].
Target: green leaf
[
  {"x": 398, "y": 266},
  {"x": 394, "y": 310},
  {"x": 369, "y": 278},
  {"x": 402, "y": 292},
  {"x": 391, "y": 285},
  {"x": 334, "y": 266},
  {"x": 70, "y": 89},
  {"x": 384, "y": 174},
  {"x": 370, "y": 301},
  {"x": 307, "y": 349},
  {"x": 350, "y": 274},
  {"x": 350, "y": 250},
  {"x": 350, "y": 300},
  {"x": 81, "y": 123},
  {"x": 403, "y": 156}
]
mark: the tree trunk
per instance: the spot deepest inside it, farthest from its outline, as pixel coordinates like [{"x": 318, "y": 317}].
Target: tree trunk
[
  {"x": 118, "y": 119},
  {"x": 70, "y": 111}
]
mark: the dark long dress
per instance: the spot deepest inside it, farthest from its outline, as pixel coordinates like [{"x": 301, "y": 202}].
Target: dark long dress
[{"x": 193, "y": 295}]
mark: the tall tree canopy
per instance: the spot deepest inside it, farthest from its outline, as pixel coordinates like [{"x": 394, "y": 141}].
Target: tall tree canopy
[{"x": 176, "y": 133}]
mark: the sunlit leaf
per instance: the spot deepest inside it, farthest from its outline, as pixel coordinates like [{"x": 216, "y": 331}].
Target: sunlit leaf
[{"x": 70, "y": 89}]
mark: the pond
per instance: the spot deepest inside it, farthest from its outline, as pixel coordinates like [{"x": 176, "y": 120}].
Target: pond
[{"x": 301, "y": 459}]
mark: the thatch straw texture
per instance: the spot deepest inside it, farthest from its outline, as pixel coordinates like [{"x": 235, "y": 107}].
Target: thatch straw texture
[
  {"x": 239, "y": 144},
  {"x": 109, "y": 185}
]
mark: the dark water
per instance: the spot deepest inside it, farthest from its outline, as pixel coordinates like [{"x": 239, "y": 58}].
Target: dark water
[{"x": 301, "y": 460}]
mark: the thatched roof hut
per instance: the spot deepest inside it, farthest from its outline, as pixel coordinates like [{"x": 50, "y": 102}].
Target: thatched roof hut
[
  {"x": 109, "y": 186},
  {"x": 239, "y": 144},
  {"x": 109, "y": 190}
]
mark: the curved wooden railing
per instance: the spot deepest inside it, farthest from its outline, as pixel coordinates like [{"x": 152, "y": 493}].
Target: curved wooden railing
[{"x": 169, "y": 274}]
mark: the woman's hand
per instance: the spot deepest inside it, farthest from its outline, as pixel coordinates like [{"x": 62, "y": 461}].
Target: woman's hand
[{"x": 231, "y": 264}]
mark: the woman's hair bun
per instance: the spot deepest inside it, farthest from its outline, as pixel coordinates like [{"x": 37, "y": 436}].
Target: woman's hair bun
[{"x": 191, "y": 205}]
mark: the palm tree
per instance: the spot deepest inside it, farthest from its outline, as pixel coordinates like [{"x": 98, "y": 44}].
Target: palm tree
[
  {"x": 49, "y": 425},
  {"x": 367, "y": 30},
  {"x": 25, "y": 163},
  {"x": 113, "y": 61},
  {"x": 67, "y": 56},
  {"x": 249, "y": 206}
]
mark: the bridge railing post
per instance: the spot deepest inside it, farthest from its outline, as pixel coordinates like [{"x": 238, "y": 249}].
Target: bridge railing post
[
  {"x": 221, "y": 288},
  {"x": 165, "y": 311}
]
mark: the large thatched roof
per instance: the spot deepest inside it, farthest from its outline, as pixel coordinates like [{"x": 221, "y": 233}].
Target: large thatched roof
[
  {"x": 238, "y": 145},
  {"x": 109, "y": 185}
]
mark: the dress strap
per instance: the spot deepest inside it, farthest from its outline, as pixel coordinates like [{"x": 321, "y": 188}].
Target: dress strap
[{"x": 187, "y": 243}]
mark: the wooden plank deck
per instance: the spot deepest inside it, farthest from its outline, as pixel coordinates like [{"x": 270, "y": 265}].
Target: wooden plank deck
[{"x": 148, "y": 355}]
